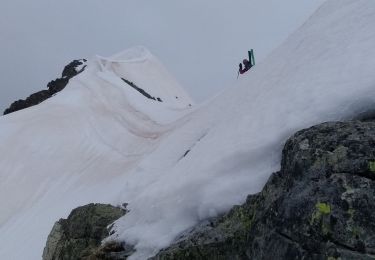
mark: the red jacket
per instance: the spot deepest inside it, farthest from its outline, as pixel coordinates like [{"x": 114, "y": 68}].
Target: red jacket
[{"x": 246, "y": 68}]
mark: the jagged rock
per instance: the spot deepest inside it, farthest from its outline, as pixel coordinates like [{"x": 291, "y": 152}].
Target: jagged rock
[
  {"x": 57, "y": 85},
  {"x": 319, "y": 206},
  {"x": 80, "y": 235},
  {"x": 142, "y": 91},
  {"x": 74, "y": 68},
  {"x": 111, "y": 251},
  {"x": 70, "y": 70}
]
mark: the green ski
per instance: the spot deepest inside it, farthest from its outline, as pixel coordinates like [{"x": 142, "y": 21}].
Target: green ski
[{"x": 251, "y": 57}]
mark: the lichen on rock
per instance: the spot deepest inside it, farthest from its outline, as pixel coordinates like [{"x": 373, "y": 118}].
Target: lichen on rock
[
  {"x": 319, "y": 206},
  {"x": 80, "y": 235},
  {"x": 371, "y": 165}
]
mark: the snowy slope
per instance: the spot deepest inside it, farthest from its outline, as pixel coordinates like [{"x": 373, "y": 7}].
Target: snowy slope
[
  {"x": 56, "y": 155},
  {"x": 324, "y": 71},
  {"x": 100, "y": 140}
]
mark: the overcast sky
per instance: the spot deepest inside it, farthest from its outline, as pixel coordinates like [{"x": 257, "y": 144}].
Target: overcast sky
[{"x": 200, "y": 41}]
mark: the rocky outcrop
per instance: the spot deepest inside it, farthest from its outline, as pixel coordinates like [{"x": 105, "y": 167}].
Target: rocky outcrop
[
  {"x": 80, "y": 235},
  {"x": 319, "y": 206},
  {"x": 142, "y": 91},
  {"x": 70, "y": 70}
]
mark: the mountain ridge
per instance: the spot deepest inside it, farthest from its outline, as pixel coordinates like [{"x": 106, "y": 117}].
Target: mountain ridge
[
  {"x": 71, "y": 70},
  {"x": 100, "y": 134}
]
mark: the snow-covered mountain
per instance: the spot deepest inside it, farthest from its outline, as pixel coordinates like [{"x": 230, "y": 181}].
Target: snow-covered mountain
[
  {"x": 56, "y": 155},
  {"x": 125, "y": 131}
]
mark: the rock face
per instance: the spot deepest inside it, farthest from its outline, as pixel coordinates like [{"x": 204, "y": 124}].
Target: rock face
[
  {"x": 80, "y": 235},
  {"x": 319, "y": 206},
  {"x": 70, "y": 70}
]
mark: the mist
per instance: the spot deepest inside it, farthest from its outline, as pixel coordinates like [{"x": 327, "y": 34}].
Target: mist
[{"x": 200, "y": 42}]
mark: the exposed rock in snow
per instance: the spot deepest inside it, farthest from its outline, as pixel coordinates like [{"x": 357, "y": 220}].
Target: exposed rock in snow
[
  {"x": 99, "y": 134},
  {"x": 95, "y": 131},
  {"x": 144, "y": 93},
  {"x": 70, "y": 70},
  {"x": 81, "y": 233},
  {"x": 319, "y": 206},
  {"x": 74, "y": 68}
]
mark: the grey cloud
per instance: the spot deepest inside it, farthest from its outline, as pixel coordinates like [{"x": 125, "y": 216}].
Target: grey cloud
[{"x": 200, "y": 42}]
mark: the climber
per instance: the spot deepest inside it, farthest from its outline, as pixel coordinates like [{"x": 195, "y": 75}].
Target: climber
[{"x": 247, "y": 64}]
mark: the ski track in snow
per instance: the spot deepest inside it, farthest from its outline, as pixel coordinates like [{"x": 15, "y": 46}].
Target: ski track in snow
[{"x": 99, "y": 140}]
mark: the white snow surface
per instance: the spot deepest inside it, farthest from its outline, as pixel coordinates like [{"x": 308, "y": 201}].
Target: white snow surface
[{"x": 99, "y": 140}]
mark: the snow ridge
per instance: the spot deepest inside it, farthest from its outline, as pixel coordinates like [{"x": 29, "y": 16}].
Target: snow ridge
[
  {"x": 323, "y": 72},
  {"x": 100, "y": 140},
  {"x": 57, "y": 155}
]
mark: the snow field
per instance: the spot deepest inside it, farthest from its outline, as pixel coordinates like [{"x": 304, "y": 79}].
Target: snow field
[{"x": 100, "y": 140}]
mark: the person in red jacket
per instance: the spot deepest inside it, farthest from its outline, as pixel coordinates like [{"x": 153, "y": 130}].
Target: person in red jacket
[{"x": 246, "y": 66}]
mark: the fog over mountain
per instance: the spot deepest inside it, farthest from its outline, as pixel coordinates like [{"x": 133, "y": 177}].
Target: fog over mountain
[{"x": 207, "y": 39}]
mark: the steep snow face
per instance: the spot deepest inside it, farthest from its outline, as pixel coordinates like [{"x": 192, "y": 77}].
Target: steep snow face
[
  {"x": 324, "y": 71},
  {"x": 103, "y": 140},
  {"x": 55, "y": 156}
]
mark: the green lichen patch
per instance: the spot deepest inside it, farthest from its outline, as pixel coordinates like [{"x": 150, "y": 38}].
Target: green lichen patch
[
  {"x": 371, "y": 166},
  {"x": 319, "y": 217},
  {"x": 323, "y": 208},
  {"x": 240, "y": 215}
]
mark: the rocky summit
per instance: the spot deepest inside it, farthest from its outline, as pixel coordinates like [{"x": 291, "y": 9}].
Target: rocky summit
[
  {"x": 54, "y": 86},
  {"x": 320, "y": 205}
]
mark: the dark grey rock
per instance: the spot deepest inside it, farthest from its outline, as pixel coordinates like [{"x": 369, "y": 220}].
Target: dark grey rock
[
  {"x": 142, "y": 91},
  {"x": 80, "y": 235},
  {"x": 54, "y": 86},
  {"x": 319, "y": 206},
  {"x": 72, "y": 70}
]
